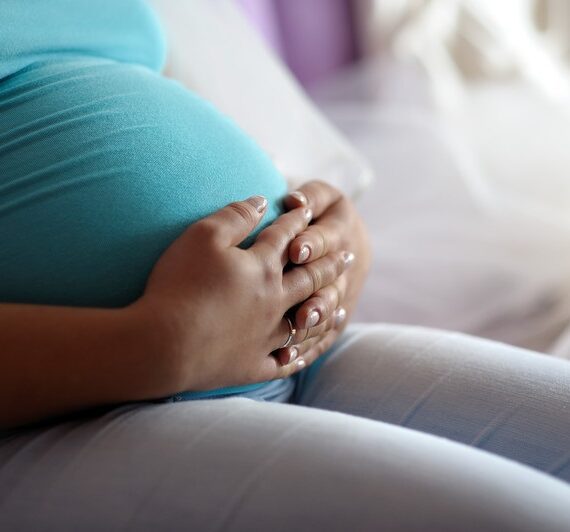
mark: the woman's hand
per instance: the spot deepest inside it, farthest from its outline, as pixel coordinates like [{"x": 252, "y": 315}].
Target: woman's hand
[
  {"x": 337, "y": 226},
  {"x": 218, "y": 309}
]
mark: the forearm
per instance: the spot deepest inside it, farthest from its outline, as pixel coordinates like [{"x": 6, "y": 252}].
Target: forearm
[{"x": 57, "y": 360}]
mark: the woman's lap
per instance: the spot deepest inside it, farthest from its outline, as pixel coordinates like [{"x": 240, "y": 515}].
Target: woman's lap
[
  {"x": 238, "y": 464},
  {"x": 496, "y": 397}
]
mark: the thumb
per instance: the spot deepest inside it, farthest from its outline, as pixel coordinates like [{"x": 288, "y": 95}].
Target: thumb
[{"x": 236, "y": 221}]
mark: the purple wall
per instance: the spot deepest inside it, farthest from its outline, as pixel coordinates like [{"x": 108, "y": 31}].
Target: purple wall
[{"x": 315, "y": 37}]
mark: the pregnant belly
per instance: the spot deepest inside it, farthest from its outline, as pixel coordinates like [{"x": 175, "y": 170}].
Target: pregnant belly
[{"x": 102, "y": 166}]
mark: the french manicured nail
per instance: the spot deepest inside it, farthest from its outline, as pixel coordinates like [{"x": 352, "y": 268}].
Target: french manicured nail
[
  {"x": 300, "y": 363},
  {"x": 293, "y": 354},
  {"x": 348, "y": 258},
  {"x": 304, "y": 254},
  {"x": 300, "y": 197},
  {"x": 308, "y": 214},
  {"x": 312, "y": 319},
  {"x": 339, "y": 316},
  {"x": 259, "y": 202}
]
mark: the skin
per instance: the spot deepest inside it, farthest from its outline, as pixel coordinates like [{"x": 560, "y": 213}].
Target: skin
[
  {"x": 58, "y": 360},
  {"x": 337, "y": 225}
]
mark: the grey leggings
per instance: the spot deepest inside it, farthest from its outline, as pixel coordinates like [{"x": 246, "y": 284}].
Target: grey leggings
[{"x": 399, "y": 429}]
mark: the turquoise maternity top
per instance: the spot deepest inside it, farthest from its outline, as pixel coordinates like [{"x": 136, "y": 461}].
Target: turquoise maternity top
[{"x": 104, "y": 162}]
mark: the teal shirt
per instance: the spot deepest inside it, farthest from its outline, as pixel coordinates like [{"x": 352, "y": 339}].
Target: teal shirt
[{"x": 104, "y": 162}]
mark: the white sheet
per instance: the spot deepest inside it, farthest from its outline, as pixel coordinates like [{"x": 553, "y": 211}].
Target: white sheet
[{"x": 470, "y": 231}]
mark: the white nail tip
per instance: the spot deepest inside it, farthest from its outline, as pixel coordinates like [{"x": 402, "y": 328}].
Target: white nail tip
[
  {"x": 304, "y": 253},
  {"x": 312, "y": 319},
  {"x": 293, "y": 354}
]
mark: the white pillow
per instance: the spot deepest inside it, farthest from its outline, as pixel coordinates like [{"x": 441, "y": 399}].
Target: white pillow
[{"x": 216, "y": 53}]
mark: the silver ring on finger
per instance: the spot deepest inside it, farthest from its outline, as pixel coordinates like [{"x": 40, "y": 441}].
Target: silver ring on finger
[{"x": 292, "y": 332}]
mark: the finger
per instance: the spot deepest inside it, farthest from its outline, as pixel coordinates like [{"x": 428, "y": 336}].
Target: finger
[
  {"x": 317, "y": 195},
  {"x": 287, "y": 355},
  {"x": 309, "y": 350},
  {"x": 323, "y": 236},
  {"x": 232, "y": 224},
  {"x": 320, "y": 348},
  {"x": 301, "y": 282},
  {"x": 274, "y": 369},
  {"x": 290, "y": 369},
  {"x": 321, "y": 305},
  {"x": 276, "y": 239},
  {"x": 290, "y": 354},
  {"x": 301, "y": 337},
  {"x": 336, "y": 320}
]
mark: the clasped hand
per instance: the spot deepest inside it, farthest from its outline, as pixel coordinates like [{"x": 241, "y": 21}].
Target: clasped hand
[{"x": 219, "y": 309}]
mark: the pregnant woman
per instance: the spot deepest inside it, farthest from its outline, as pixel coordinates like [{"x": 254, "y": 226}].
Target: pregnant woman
[{"x": 171, "y": 354}]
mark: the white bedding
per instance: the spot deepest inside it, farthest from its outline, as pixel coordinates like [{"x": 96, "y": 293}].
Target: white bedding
[{"x": 463, "y": 240}]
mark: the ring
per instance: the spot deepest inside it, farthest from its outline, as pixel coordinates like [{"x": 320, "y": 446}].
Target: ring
[{"x": 292, "y": 332}]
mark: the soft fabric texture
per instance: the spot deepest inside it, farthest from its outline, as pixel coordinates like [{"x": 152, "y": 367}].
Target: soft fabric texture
[
  {"x": 448, "y": 418},
  {"x": 124, "y": 31},
  {"x": 103, "y": 162}
]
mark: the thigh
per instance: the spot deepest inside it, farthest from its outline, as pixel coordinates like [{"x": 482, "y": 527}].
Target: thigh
[
  {"x": 241, "y": 465},
  {"x": 502, "y": 399}
]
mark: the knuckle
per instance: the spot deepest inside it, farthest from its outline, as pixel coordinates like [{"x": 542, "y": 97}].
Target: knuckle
[
  {"x": 328, "y": 298},
  {"x": 333, "y": 299},
  {"x": 207, "y": 230},
  {"x": 339, "y": 264},
  {"x": 284, "y": 233},
  {"x": 270, "y": 271},
  {"x": 279, "y": 234},
  {"x": 314, "y": 277},
  {"x": 321, "y": 240},
  {"x": 244, "y": 210}
]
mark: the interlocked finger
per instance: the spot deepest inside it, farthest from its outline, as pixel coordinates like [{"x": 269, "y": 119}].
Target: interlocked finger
[
  {"x": 305, "y": 337},
  {"x": 308, "y": 351},
  {"x": 315, "y": 194},
  {"x": 321, "y": 305},
  {"x": 275, "y": 239},
  {"x": 302, "y": 282}
]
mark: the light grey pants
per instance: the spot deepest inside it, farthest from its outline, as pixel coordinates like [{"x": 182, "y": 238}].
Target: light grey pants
[{"x": 399, "y": 429}]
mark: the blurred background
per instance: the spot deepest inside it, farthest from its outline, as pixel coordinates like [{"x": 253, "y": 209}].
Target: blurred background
[
  {"x": 459, "y": 109},
  {"x": 462, "y": 108}
]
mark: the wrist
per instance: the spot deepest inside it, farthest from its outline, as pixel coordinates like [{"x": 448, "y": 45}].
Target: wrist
[{"x": 157, "y": 363}]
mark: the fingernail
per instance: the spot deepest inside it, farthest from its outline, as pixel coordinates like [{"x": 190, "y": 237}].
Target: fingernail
[
  {"x": 300, "y": 363},
  {"x": 304, "y": 254},
  {"x": 299, "y": 196},
  {"x": 312, "y": 319},
  {"x": 293, "y": 353},
  {"x": 259, "y": 202},
  {"x": 348, "y": 257},
  {"x": 339, "y": 316},
  {"x": 308, "y": 214}
]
